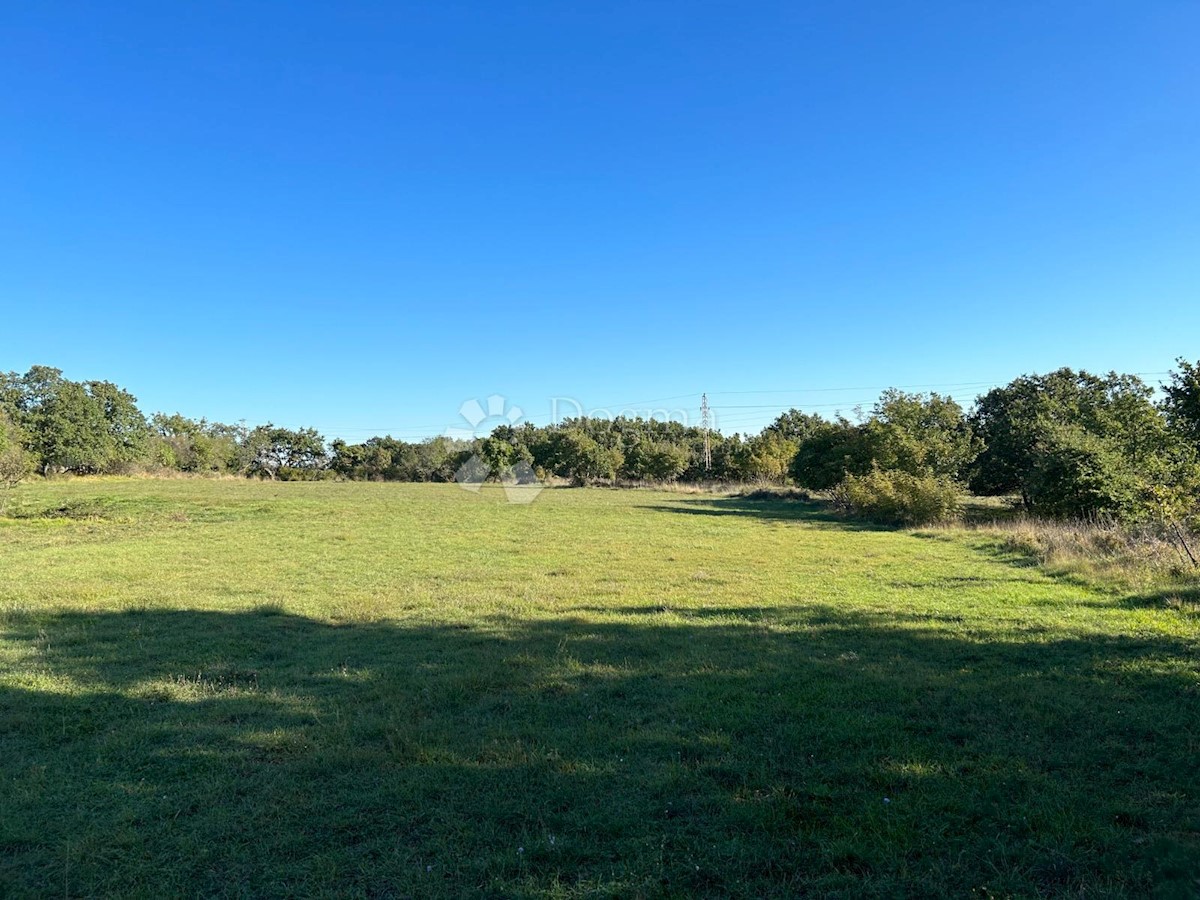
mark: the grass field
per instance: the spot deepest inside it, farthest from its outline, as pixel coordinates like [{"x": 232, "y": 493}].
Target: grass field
[{"x": 248, "y": 689}]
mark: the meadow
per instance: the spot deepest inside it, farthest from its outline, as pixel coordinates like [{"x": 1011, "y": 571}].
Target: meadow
[{"x": 238, "y": 688}]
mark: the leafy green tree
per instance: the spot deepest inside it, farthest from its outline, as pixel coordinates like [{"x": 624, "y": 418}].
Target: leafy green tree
[
  {"x": 500, "y": 451},
  {"x": 1078, "y": 474},
  {"x": 277, "y": 452},
  {"x": 126, "y": 431},
  {"x": 190, "y": 445},
  {"x": 553, "y": 449},
  {"x": 12, "y": 394},
  {"x": 650, "y": 460},
  {"x": 585, "y": 460},
  {"x": 390, "y": 459},
  {"x": 438, "y": 458},
  {"x": 15, "y": 462},
  {"x": 730, "y": 458},
  {"x": 71, "y": 426},
  {"x": 369, "y": 461},
  {"x": 1181, "y": 400},
  {"x": 769, "y": 455},
  {"x": 796, "y": 426},
  {"x": 1014, "y": 420},
  {"x": 1076, "y": 444},
  {"x": 920, "y": 434},
  {"x": 68, "y": 432},
  {"x": 897, "y": 497},
  {"x": 835, "y": 450}
]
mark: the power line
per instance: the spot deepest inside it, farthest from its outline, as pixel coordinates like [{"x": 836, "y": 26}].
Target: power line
[
  {"x": 826, "y": 390},
  {"x": 901, "y": 387},
  {"x": 437, "y": 429}
]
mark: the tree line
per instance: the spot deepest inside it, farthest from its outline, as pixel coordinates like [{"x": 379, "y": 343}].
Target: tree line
[{"x": 1066, "y": 444}]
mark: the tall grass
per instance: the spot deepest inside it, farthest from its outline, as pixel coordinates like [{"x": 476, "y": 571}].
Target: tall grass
[{"x": 1104, "y": 552}]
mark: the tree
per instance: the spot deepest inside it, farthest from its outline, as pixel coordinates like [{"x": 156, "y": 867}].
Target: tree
[
  {"x": 279, "y": 452},
  {"x": 1075, "y": 444},
  {"x": 921, "y": 434},
  {"x": 369, "y": 461},
  {"x": 729, "y": 458},
  {"x": 900, "y": 498},
  {"x": 1181, "y": 401},
  {"x": 796, "y": 426},
  {"x": 68, "y": 431},
  {"x": 71, "y": 426},
  {"x": 192, "y": 445},
  {"x": 585, "y": 460},
  {"x": 500, "y": 452},
  {"x": 832, "y": 452},
  {"x": 438, "y": 458},
  {"x": 649, "y": 460},
  {"x": 15, "y": 461},
  {"x": 391, "y": 459},
  {"x": 126, "y": 431},
  {"x": 769, "y": 456},
  {"x": 1078, "y": 474},
  {"x": 12, "y": 392}
]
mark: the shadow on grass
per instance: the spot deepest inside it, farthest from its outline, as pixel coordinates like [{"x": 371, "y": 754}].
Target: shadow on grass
[
  {"x": 803, "y": 750},
  {"x": 813, "y": 512},
  {"x": 1170, "y": 594},
  {"x": 1182, "y": 598}
]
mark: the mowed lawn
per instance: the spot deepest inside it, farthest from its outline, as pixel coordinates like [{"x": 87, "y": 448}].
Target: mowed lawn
[{"x": 228, "y": 688}]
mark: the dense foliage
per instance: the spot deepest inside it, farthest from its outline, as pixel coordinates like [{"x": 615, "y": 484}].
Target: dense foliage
[
  {"x": 1181, "y": 401},
  {"x": 1074, "y": 444},
  {"x": 91, "y": 426},
  {"x": 1068, "y": 444},
  {"x": 896, "y": 497},
  {"x": 15, "y": 461}
]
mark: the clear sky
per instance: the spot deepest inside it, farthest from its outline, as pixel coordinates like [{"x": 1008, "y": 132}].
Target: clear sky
[{"x": 357, "y": 216}]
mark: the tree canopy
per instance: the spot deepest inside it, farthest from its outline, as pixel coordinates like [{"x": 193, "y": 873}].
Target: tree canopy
[{"x": 1067, "y": 443}]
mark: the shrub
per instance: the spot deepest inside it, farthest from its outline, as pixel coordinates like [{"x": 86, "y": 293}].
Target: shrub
[
  {"x": 585, "y": 460},
  {"x": 1077, "y": 475},
  {"x": 15, "y": 462},
  {"x": 832, "y": 452},
  {"x": 656, "y": 461},
  {"x": 1072, "y": 444},
  {"x": 899, "y": 498},
  {"x": 769, "y": 456}
]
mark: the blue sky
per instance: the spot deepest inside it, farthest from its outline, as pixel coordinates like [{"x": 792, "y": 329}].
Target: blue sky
[{"x": 357, "y": 216}]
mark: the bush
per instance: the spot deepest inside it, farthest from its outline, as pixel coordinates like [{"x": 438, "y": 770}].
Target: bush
[
  {"x": 832, "y": 452},
  {"x": 585, "y": 460},
  {"x": 15, "y": 462},
  {"x": 656, "y": 461},
  {"x": 898, "y": 498},
  {"x": 1077, "y": 475}
]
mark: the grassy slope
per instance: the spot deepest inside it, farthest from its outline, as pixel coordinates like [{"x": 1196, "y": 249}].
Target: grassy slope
[{"x": 388, "y": 690}]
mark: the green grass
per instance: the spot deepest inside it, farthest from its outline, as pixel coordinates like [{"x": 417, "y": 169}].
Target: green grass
[{"x": 378, "y": 690}]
